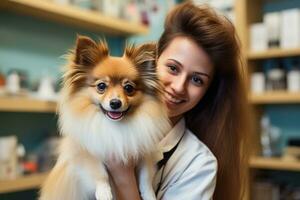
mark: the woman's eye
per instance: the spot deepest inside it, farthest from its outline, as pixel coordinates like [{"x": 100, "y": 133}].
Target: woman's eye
[
  {"x": 101, "y": 87},
  {"x": 172, "y": 68},
  {"x": 129, "y": 89},
  {"x": 197, "y": 80}
]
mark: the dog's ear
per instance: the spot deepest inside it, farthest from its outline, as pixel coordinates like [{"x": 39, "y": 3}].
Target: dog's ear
[
  {"x": 141, "y": 54},
  {"x": 144, "y": 58},
  {"x": 88, "y": 52}
]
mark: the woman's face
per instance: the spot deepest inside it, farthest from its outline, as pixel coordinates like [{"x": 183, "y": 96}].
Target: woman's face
[{"x": 186, "y": 72}]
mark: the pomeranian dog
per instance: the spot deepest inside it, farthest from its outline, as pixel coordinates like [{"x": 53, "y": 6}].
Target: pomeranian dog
[{"x": 111, "y": 107}]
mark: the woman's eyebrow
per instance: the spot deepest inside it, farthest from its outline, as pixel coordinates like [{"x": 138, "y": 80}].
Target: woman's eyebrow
[
  {"x": 202, "y": 74},
  {"x": 198, "y": 73},
  {"x": 177, "y": 62}
]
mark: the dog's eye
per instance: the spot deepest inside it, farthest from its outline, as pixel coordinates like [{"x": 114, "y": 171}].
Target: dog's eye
[
  {"x": 101, "y": 87},
  {"x": 129, "y": 89}
]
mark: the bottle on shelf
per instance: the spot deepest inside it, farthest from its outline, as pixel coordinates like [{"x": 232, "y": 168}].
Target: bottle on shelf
[
  {"x": 276, "y": 76},
  {"x": 265, "y": 136},
  {"x": 258, "y": 82},
  {"x": 269, "y": 137},
  {"x": 293, "y": 78}
]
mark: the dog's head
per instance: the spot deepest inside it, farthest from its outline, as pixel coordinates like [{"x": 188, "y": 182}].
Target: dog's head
[
  {"x": 99, "y": 90},
  {"x": 114, "y": 85}
]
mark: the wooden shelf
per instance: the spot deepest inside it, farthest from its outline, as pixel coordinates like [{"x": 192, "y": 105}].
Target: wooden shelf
[
  {"x": 275, "y": 98},
  {"x": 22, "y": 104},
  {"x": 22, "y": 183},
  {"x": 273, "y": 53},
  {"x": 274, "y": 164},
  {"x": 73, "y": 15}
]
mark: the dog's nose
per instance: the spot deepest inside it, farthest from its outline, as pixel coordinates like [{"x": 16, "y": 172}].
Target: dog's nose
[{"x": 115, "y": 104}]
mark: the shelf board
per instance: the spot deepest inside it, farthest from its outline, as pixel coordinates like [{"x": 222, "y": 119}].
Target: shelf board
[
  {"x": 274, "y": 164},
  {"x": 273, "y": 53},
  {"x": 24, "y": 104},
  {"x": 281, "y": 97},
  {"x": 22, "y": 183},
  {"x": 73, "y": 15}
]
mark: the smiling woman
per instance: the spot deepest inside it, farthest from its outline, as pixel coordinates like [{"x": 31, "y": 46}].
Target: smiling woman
[{"x": 199, "y": 64}]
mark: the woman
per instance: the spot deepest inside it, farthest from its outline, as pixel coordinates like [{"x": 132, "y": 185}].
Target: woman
[{"x": 199, "y": 65}]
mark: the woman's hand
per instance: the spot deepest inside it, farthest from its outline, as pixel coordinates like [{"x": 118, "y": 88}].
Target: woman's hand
[{"x": 124, "y": 179}]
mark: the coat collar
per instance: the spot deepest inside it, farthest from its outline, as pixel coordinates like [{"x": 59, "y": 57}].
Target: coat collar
[{"x": 171, "y": 139}]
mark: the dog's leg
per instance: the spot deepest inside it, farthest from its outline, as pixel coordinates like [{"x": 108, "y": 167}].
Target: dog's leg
[
  {"x": 62, "y": 183},
  {"x": 146, "y": 175},
  {"x": 97, "y": 171},
  {"x": 103, "y": 189}
]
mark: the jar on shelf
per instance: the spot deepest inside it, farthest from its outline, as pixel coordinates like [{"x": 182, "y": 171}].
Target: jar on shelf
[{"x": 275, "y": 75}]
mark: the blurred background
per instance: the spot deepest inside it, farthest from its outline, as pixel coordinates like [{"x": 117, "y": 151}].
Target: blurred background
[{"x": 36, "y": 34}]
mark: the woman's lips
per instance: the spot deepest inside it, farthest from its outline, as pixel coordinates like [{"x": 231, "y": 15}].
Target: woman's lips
[{"x": 171, "y": 100}]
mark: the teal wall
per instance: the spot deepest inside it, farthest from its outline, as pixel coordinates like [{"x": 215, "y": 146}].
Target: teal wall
[
  {"x": 280, "y": 5},
  {"x": 37, "y": 46},
  {"x": 287, "y": 118}
]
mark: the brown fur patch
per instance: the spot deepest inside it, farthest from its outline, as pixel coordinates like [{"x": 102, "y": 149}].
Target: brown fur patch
[
  {"x": 144, "y": 58},
  {"x": 116, "y": 67},
  {"x": 88, "y": 52},
  {"x": 84, "y": 57}
]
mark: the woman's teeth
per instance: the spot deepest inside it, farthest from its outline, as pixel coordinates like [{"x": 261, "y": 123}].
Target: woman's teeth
[{"x": 173, "y": 99}]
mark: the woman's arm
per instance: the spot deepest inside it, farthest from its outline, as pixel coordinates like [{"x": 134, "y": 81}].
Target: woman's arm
[{"x": 124, "y": 180}]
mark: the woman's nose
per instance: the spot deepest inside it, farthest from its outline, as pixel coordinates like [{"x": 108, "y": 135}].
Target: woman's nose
[{"x": 179, "y": 85}]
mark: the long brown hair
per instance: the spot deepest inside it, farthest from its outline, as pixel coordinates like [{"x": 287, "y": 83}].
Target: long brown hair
[{"x": 220, "y": 119}]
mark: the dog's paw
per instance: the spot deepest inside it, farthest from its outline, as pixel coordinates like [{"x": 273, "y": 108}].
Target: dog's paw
[
  {"x": 148, "y": 195},
  {"x": 103, "y": 192}
]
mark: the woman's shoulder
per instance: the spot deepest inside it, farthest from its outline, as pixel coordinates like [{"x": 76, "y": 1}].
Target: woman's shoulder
[
  {"x": 191, "y": 164},
  {"x": 192, "y": 146},
  {"x": 191, "y": 155}
]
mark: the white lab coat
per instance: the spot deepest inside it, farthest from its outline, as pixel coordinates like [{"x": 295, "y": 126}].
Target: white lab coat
[{"x": 190, "y": 173}]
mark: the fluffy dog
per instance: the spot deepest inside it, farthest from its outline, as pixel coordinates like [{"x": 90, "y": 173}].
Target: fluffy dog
[{"x": 111, "y": 107}]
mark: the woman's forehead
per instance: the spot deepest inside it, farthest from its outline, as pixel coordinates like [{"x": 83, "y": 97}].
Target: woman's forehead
[{"x": 189, "y": 54}]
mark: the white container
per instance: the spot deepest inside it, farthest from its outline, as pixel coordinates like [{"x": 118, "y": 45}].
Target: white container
[
  {"x": 290, "y": 28},
  {"x": 8, "y": 157},
  {"x": 62, "y": 2},
  {"x": 46, "y": 89},
  {"x": 293, "y": 81},
  {"x": 272, "y": 22},
  {"x": 258, "y": 37},
  {"x": 112, "y": 8},
  {"x": 258, "y": 82},
  {"x": 276, "y": 79},
  {"x": 13, "y": 83}
]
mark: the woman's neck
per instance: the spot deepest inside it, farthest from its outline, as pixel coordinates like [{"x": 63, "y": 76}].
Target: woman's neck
[{"x": 175, "y": 119}]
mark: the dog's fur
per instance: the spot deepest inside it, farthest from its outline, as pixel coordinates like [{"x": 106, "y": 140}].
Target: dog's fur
[{"x": 94, "y": 130}]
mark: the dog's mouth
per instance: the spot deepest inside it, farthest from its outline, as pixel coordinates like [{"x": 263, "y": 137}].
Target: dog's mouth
[{"x": 114, "y": 115}]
